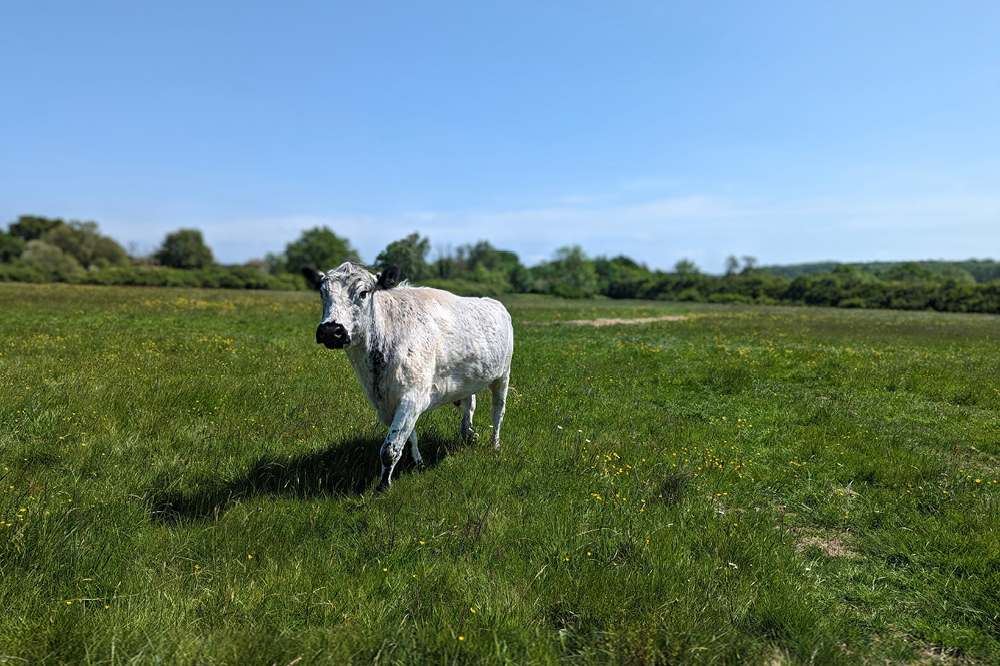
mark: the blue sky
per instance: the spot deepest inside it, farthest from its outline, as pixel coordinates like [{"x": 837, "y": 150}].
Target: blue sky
[{"x": 788, "y": 131}]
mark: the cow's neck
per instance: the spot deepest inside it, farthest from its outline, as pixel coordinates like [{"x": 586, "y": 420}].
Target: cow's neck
[{"x": 369, "y": 357}]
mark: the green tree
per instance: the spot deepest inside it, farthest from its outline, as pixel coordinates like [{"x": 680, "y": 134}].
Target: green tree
[
  {"x": 621, "y": 277},
  {"x": 571, "y": 274},
  {"x": 275, "y": 263},
  {"x": 318, "y": 247},
  {"x": 908, "y": 271},
  {"x": 958, "y": 275},
  {"x": 483, "y": 255},
  {"x": 685, "y": 267},
  {"x": 409, "y": 254},
  {"x": 184, "y": 248},
  {"x": 83, "y": 242},
  {"x": 31, "y": 227},
  {"x": 11, "y": 247}
]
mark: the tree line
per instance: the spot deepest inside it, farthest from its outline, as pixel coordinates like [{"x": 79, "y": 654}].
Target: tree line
[{"x": 38, "y": 249}]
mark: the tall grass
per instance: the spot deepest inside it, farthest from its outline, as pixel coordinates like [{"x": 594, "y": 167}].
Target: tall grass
[{"x": 189, "y": 479}]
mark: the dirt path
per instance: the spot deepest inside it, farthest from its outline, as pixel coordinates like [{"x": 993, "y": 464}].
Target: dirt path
[{"x": 602, "y": 321}]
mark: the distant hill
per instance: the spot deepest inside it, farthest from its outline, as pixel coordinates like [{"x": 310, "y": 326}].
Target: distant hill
[{"x": 981, "y": 270}]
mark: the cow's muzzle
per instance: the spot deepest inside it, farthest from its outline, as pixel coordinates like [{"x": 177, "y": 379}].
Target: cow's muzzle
[{"x": 333, "y": 335}]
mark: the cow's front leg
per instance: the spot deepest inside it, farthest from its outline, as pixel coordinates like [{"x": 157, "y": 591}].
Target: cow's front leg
[
  {"x": 392, "y": 449},
  {"x": 414, "y": 450}
]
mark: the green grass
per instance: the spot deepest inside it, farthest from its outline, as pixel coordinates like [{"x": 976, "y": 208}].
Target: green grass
[{"x": 188, "y": 478}]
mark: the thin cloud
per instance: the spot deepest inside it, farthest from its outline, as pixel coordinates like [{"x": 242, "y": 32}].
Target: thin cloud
[{"x": 662, "y": 231}]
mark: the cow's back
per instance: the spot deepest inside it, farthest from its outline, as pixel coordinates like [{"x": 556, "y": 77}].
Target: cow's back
[{"x": 457, "y": 345}]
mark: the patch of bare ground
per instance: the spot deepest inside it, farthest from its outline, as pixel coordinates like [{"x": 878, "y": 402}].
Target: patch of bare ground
[
  {"x": 829, "y": 543},
  {"x": 829, "y": 546},
  {"x": 926, "y": 655},
  {"x": 606, "y": 321},
  {"x": 981, "y": 458},
  {"x": 929, "y": 654},
  {"x": 778, "y": 658}
]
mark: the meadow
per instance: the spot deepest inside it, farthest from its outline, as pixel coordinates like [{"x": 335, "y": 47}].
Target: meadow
[{"x": 188, "y": 478}]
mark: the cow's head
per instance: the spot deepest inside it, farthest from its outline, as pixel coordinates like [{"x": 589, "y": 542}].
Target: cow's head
[{"x": 346, "y": 294}]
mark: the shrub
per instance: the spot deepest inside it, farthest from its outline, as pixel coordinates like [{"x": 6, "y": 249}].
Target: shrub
[
  {"x": 48, "y": 257},
  {"x": 853, "y": 302},
  {"x": 730, "y": 298},
  {"x": 689, "y": 294}
]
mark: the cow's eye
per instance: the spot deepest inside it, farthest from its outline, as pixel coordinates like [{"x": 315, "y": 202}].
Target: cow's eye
[{"x": 363, "y": 294}]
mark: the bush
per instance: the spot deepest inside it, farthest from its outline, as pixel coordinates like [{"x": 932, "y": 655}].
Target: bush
[
  {"x": 564, "y": 290},
  {"x": 730, "y": 298},
  {"x": 689, "y": 294},
  {"x": 48, "y": 257},
  {"x": 214, "y": 277},
  {"x": 24, "y": 273},
  {"x": 854, "y": 302}
]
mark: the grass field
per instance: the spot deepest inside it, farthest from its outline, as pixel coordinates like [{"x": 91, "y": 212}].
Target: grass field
[{"x": 188, "y": 478}]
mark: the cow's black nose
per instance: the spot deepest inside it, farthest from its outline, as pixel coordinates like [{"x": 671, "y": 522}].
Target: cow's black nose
[{"x": 333, "y": 335}]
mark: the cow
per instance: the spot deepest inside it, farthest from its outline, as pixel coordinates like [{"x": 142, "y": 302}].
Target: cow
[{"x": 414, "y": 349}]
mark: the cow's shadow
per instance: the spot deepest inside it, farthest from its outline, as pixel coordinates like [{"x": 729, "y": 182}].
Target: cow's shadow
[{"x": 349, "y": 468}]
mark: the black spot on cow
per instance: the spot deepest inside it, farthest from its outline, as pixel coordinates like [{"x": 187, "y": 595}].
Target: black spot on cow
[{"x": 376, "y": 365}]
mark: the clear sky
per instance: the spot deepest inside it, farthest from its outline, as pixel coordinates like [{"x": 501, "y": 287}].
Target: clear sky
[{"x": 790, "y": 131}]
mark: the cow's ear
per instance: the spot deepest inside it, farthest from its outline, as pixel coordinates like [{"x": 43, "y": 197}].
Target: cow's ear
[
  {"x": 313, "y": 276},
  {"x": 388, "y": 278}
]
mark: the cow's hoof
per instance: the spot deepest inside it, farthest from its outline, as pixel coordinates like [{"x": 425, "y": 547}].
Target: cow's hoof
[
  {"x": 421, "y": 466},
  {"x": 382, "y": 487}
]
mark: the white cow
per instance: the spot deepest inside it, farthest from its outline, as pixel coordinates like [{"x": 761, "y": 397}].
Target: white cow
[{"x": 414, "y": 349}]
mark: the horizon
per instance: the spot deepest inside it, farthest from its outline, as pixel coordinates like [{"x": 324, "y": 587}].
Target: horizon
[
  {"x": 794, "y": 134},
  {"x": 136, "y": 254}
]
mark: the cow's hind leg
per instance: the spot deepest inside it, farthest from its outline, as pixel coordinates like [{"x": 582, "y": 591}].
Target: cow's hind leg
[
  {"x": 414, "y": 450},
  {"x": 499, "y": 390},
  {"x": 468, "y": 409},
  {"x": 400, "y": 431}
]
